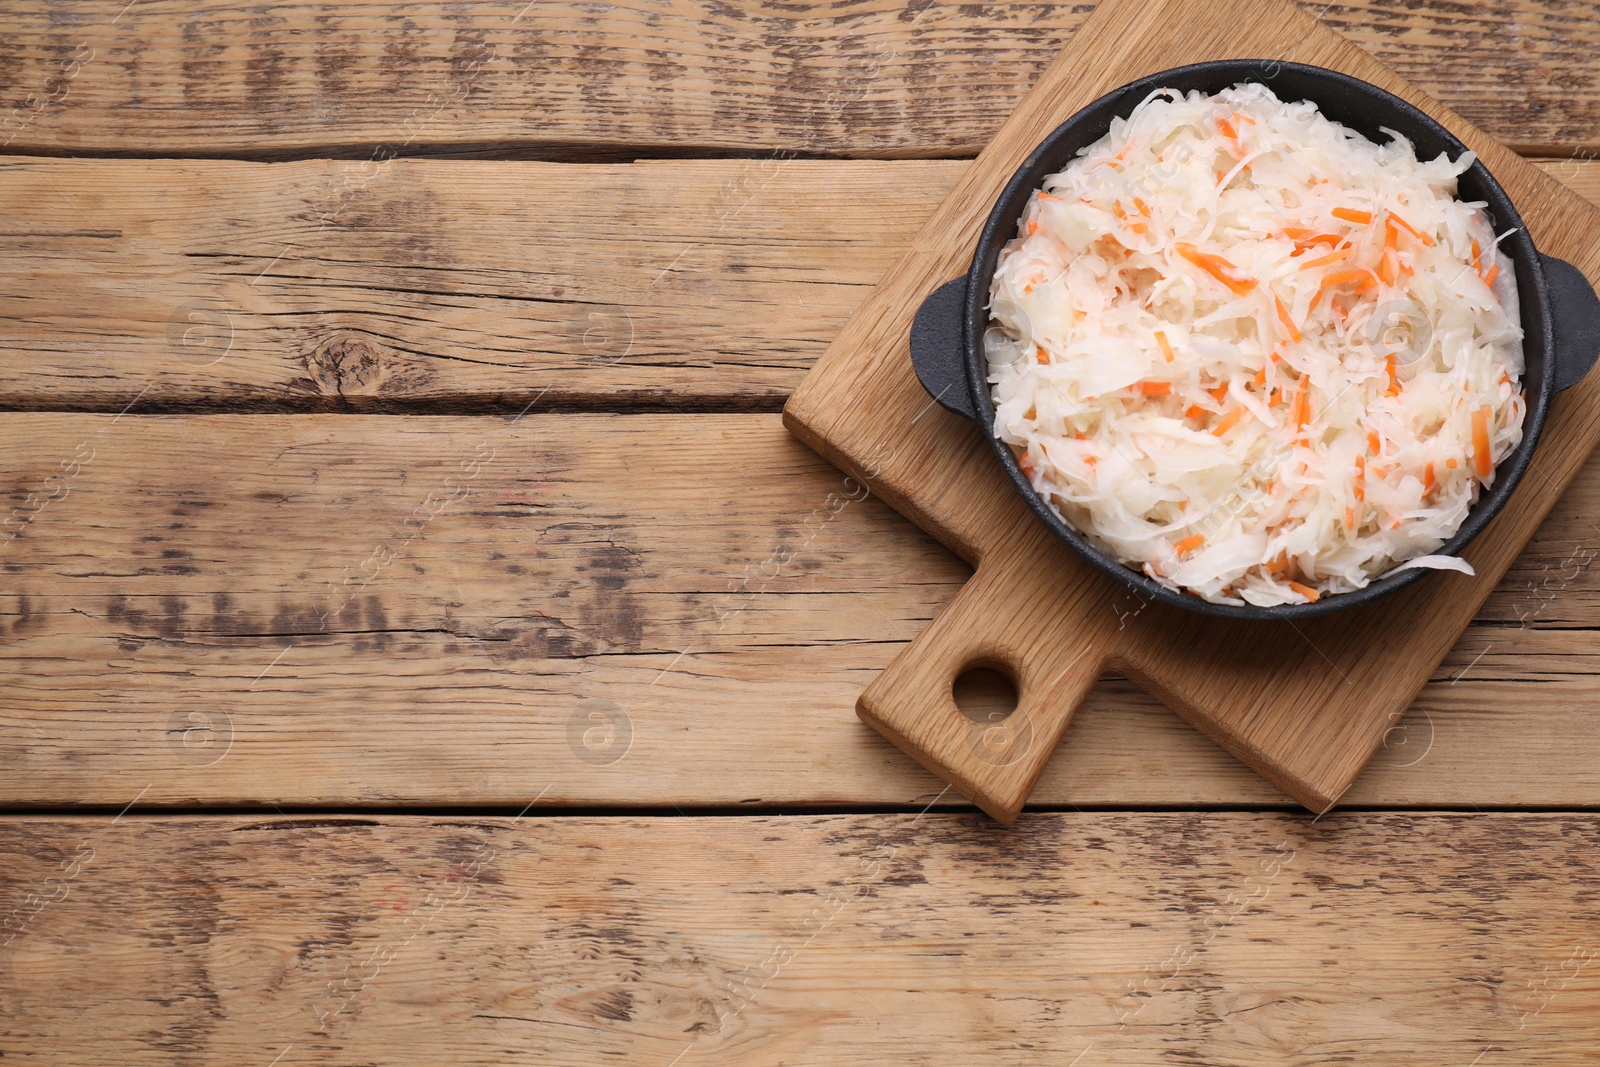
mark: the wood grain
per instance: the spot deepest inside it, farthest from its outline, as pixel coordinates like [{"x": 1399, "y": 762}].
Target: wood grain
[
  {"x": 1305, "y": 704},
  {"x": 659, "y": 611},
  {"x": 1224, "y": 938},
  {"x": 251, "y": 610},
  {"x": 437, "y": 286},
  {"x": 886, "y": 78},
  {"x": 446, "y": 286}
]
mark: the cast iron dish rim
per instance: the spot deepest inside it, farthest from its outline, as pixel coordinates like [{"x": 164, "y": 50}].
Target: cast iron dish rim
[{"x": 1001, "y": 226}]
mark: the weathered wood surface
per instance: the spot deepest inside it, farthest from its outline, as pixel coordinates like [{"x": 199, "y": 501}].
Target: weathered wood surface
[
  {"x": 446, "y": 286},
  {"x": 641, "y": 610},
  {"x": 1119, "y": 938},
  {"x": 885, "y": 78},
  {"x": 656, "y": 610},
  {"x": 437, "y": 285}
]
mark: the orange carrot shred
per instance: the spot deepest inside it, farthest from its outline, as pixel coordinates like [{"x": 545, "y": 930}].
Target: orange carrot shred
[
  {"x": 1261, "y": 376},
  {"x": 1039, "y": 354},
  {"x": 1195, "y": 411},
  {"x": 1322, "y": 239},
  {"x": 1229, "y": 421},
  {"x": 1166, "y": 346},
  {"x": 1373, "y": 444},
  {"x": 1427, "y": 479},
  {"x": 1301, "y": 407},
  {"x": 1350, "y": 518},
  {"x": 1426, "y": 238},
  {"x": 1299, "y": 404},
  {"x": 1494, "y": 272},
  {"x": 1033, "y": 227},
  {"x": 1188, "y": 544},
  {"x": 1482, "y": 461},
  {"x": 1389, "y": 266},
  {"x": 1304, "y": 590},
  {"x": 1155, "y": 388},
  {"x": 1394, "y": 381},
  {"x": 1283, "y": 317},
  {"x": 1350, "y": 214},
  {"x": 1331, "y": 258},
  {"x": 1451, "y": 463},
  {"x": 1217, "y": 267},
  {"x": 1361, "y": 279},
  {"x": 1218, "y": 393}
]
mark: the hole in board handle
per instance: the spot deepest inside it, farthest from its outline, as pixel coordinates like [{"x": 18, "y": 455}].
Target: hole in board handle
[
  {"x": 987, "y": 696},
  {"x": 984, "y": 694}
]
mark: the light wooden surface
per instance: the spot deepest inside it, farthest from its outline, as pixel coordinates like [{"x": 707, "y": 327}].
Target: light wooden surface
[
  {"x": 1305, "y": 704},
  {"x": 160, "y": 642},
  {"x": 1120, "y": 938},
  {"x": 439, "y": 285},
  {"x": 250, "y": 610},
  {"x": 646, "y": 77}
]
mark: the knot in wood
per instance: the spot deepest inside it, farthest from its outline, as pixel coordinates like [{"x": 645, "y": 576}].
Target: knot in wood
[{"x": 346, "y": 365}]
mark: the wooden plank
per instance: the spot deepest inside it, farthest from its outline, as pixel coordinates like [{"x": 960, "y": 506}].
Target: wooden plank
[
  {"x": 669, "y": 75},
  {"x": 607, "y": 610},
  {"x": 428, "y": 285},
  {"x": 446, "y": 286},
  {"x": 1119, "y": 938}
]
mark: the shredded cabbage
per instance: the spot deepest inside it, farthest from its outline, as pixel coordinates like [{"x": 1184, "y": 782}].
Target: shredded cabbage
[{"x": 1254, "y": 354}]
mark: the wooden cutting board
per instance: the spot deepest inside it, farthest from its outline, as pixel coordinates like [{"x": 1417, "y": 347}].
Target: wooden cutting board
[{"x": 1305, "y": 704}]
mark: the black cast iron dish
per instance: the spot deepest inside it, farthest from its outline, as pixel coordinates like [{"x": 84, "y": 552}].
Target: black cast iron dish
[{"x": 1560, "y": 311}]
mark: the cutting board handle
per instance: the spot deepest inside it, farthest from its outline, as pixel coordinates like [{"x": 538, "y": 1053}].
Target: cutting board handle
[{"x": 994, "y": 764}]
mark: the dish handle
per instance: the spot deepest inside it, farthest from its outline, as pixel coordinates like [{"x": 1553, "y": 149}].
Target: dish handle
[
  {"x": 1575, "y": 310},
  {"x": 994, "y": 763},
  {"x": 938, "y": 348}
]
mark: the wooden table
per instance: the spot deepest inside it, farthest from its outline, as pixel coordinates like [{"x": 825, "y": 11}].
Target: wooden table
[{"x": 424, "y": 644}]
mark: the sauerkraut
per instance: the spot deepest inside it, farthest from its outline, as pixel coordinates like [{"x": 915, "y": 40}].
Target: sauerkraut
[{"x": 1253, "y": 353}]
